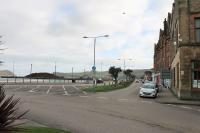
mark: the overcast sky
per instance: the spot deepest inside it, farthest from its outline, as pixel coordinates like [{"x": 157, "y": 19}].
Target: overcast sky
[{"x": 42, "y": 32}]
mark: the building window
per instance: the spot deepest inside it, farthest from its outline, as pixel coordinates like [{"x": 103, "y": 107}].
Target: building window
[
  {"x": 174, "y": 77},
  {"x": 197, "y": 29},
  {"x": 196, "y": 74}
]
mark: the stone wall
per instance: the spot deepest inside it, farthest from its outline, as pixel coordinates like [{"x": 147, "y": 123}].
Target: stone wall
[{"x": 194, "y": 6}]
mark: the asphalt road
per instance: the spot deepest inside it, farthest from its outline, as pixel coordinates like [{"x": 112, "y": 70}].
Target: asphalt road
[{"x": 120, "y": 111}]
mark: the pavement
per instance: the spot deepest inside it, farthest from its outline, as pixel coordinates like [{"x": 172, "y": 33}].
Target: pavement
[
  {"x": 120, "y": 111},
  {"x": 165, "y": 96},
  {"x": 28, "y": 123}
]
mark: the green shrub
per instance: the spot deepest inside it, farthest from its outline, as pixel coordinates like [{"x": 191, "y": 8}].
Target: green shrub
[
  {"x": 107, "y": 88},
  {"x": 8, "y": 112}
]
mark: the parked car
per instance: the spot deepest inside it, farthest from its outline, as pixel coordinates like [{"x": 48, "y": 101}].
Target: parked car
[
  {"x": 137, "y": 81},
  {"x": 99, "y": 81},
  {"x": 148, "y": 90},
  {"x": 151, "y": 82}
]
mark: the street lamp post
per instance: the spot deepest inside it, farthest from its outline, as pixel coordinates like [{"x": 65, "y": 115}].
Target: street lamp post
[
  {"x": 94, "y": 67},
  {"x": 124, "y": 59},
  {"x": 31, "y": 68}
]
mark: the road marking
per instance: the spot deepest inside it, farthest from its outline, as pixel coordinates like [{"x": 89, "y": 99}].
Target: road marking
[
  {"x": 123, "y": 100},
  {"x": 49, "y": 89},
  {"x": 84, "y": 96},
  {"x": 65, "y": 91},
  {"x": 18, "y": 88},
  {"x": 102, "y": 98},
  {"x": 172, "y": 105},
  {"x": 33, "y": 90},
  {"x": 185, "y": 107},
  {"x": 146, "y": 102},
  {"x": 84, "y": 92},
  {"x": 76, "y": 88}
]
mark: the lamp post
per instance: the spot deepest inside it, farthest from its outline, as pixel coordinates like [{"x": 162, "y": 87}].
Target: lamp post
[
  {"x": 124, "y": 60},
  {"x": 94, "y": 67},
  {"x": 13, "y": 68},
  {"x": 55, "y": 69}
]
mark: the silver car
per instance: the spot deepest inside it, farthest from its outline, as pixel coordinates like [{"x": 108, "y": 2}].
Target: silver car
[{"x": 148, "y": 90}]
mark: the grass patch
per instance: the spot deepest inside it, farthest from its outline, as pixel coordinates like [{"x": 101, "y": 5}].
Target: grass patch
[
  {"x": 107, "y": 88},
  {"x": 41, "y": 130}
]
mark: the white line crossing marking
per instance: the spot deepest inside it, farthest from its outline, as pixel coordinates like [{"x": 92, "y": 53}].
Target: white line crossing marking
[
  {"x": 18, "y": 88},
  {"x": 102, "y": 98},
  {"x": 76, "y": 88},
  {"x": 146, "y": 102},
  {"x": 172, "y": 105},
  {"x": 84, "y": 96},
  {"x": 123, "y": 100},
  {"x": 33, "y": 90},
  {"x": 84, "y": 92},
  {"x": 65, "y": 91},
  {"x": 49, "y": 89},
  {"x": 185, "y": 107}
]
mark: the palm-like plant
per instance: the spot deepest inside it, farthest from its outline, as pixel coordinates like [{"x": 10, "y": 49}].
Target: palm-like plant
[{"x": 8, "y": 112}]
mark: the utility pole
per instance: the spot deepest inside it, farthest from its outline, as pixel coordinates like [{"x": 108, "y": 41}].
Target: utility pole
[
  {"x": 124, "y": 59},
  {"x": 55, "y": 68},
  {"x": 13, "y": 68},
  {"x": 101, "y": 70},
  {"x": 31, "y": 68},
  {"x": 72, "y": 73}
]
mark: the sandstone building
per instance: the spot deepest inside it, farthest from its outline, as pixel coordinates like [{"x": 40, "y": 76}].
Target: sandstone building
[{"x": 178, "y": 49}]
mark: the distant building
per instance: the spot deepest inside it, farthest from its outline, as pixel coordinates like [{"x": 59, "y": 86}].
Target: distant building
[{"x": 178, "y": 49}]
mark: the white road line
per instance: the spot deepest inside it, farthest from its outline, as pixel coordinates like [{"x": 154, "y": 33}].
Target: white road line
[
  {"x": 84, "y": 96},
  {"x": 49, "y": 89},
  {"x": 34, "y": 89},
  {"x": 18, "y": 88},
  {"x": 84, "y": 92},
  {"x": 65, "y": 91},
  {"x": 146, "y": 102},
  {"x": 102, "y": 98},
  {"x": 172, "y": 105},
  {"x": 76, "y": 88},
  {"x": 123, "y": 100},
  {"x": 185, "y": 107}
]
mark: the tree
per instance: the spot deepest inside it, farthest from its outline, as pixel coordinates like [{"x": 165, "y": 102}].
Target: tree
[
  {"x": 128, "y": 74},
  {"x": 114, "y": 72},
  {"x": 8, "y": 112}
]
